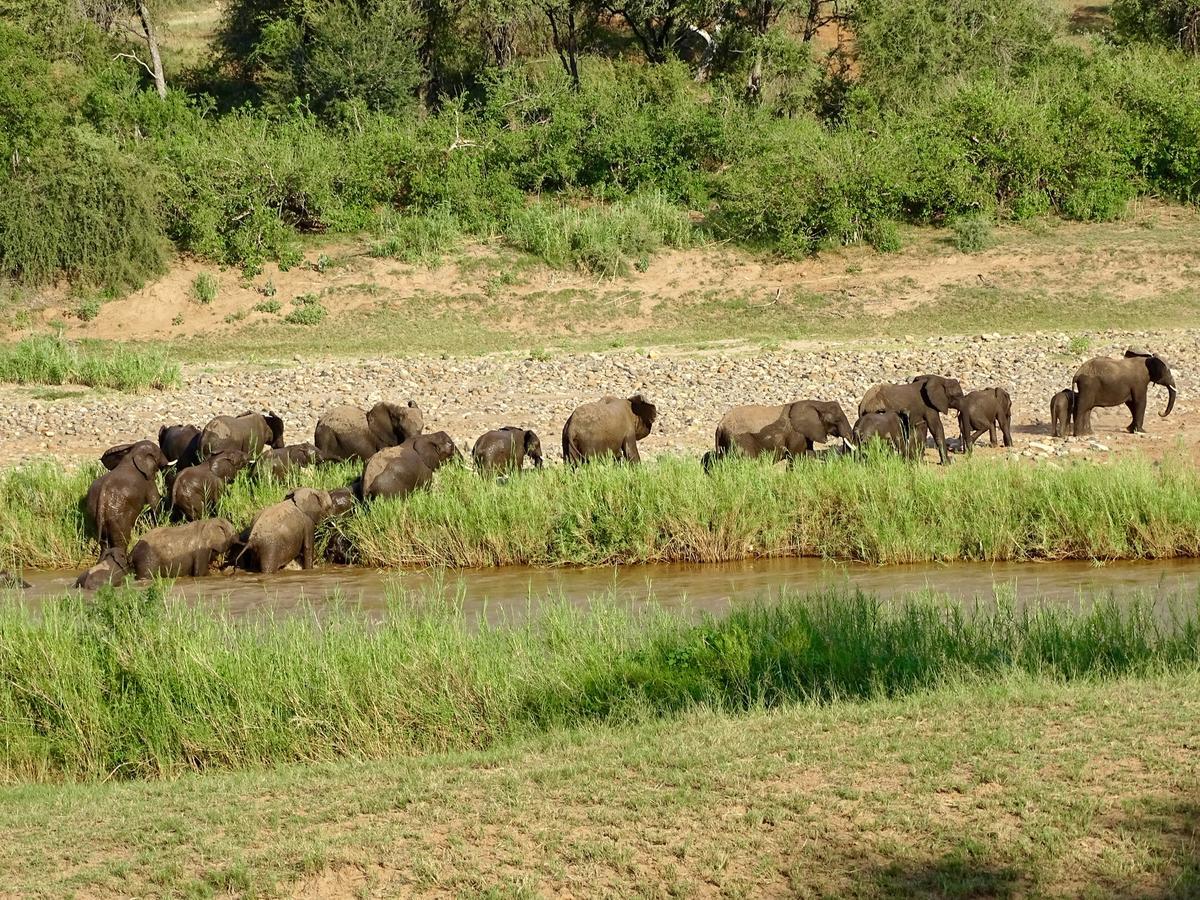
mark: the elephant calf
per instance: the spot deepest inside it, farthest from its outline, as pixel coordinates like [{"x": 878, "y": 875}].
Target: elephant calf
[
  {"x": 196, "y": 490},
  {"x": 117, "y": 498},
  {"x": 277, "y": 463},
  {"x": 1062, "y": 412},
  {"x": 347, "y": 432},
  {"x": 112, "y": 568},
  {"x": 285, "y": 531},
  {"x": 187, "y": 550},
  {"x": 180, "y": 444},
  {"x": 981, "y": 411},
  {"x": 890, "y": 427},
  {"x": 611, "y": 426},
  {"x": 398, "y": 471},
  {"x": 780, "y": 432},
  {"x": 505, "y": 449},
  {"x": 249, "y": 432}
]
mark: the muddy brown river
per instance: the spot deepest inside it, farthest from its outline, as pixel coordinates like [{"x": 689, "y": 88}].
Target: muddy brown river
[{"x": 508, "y": 593}]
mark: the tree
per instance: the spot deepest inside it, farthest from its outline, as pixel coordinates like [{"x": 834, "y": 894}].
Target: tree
[
  {"x": 1169, "y": 21},
  {"x": 156, "y": 69},
  {"x": 567, "y": 19}
]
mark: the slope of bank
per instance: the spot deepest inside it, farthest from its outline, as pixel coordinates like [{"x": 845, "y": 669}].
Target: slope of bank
[{"x": 1025, "y": 787}]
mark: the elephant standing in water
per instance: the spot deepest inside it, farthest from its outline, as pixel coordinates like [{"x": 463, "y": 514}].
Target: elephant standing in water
[
  {"x": 117, "y": 498},
  {"x": 250, "y": 432},
  {"x": 187, "y": 550},
  {"x": 347, "y": 432},
  {"x": 611, "y": 426},
  {"x": 285, "y": 531},
  {"x": 780, "y": 432},
  {"x": 1110, "y": 382},
  {"x": 923, "y": 400},
  {"x": 398, "y": 471},
  {"x": 111, "y": 568},
  {"x": 505, "y": 449}
]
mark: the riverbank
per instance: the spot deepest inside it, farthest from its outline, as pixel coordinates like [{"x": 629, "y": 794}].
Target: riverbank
[
  {"x": 130, "y": 685},
  {"x": 879, "y": 510},
  {"x": 1025, "y": 787}
]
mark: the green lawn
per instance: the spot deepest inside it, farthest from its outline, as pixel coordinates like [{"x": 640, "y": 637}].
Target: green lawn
[{"x": 1025, "y": 788}]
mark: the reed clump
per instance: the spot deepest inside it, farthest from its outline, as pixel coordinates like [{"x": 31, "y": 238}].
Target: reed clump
[
  {"x": 879, "y": 509},
  {"x": 130, "y": 684}
]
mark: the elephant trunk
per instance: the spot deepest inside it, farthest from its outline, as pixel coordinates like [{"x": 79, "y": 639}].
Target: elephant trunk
[{"x": 1170, "y": 399}]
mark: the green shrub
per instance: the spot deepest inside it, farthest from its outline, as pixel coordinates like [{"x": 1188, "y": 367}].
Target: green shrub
[
  {"x": 419, "y": 238},
  {"x": 972, "y": 234},
  {"x": 205, "y": 288},
  {"x": 308, "y": 311},
  {"x": 885, "y": 237},
  {"x": 1172, "y": 22},
  {"x": 267, "y": 306},
  {"x": 88, "y": 308}
]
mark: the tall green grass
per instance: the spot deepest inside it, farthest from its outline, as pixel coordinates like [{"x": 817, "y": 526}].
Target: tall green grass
[
  {"x": 51, "y": 359},
  {"x": 131, "y": 685},
  {"x": 879, "y": 510}
]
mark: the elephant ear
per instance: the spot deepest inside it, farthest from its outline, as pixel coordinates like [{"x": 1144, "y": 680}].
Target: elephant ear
[
  {"x": 146, "y": 461},
  {"x": 533, "y": 446},
  {"x": 933, "y": 389},
  {"x": 276, "y": 425},
  {"x": 408, "y": 421},
  {"x": 832, "y": 416},
  {"x": 1160, "y": 372},
  {"x": 112, "y": 457},
  {"x": 646, "y": 413}
]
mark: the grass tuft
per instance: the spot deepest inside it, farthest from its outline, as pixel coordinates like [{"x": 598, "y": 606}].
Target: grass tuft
[
  {"x": 50, "y": 359},
  {"x": 205, "y": 288}
]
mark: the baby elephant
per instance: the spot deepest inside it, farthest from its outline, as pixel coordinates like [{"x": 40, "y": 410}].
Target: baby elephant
[
  {"x": 398, "y": 471},
  {"x": 112, "y": 568},
  {"x": 505, "y": 449},
  {"x": 285, "y": 531},
  {"x": 981, "y": 411},
  {"x": 197, "y": 489},
  {"x": 1062, "y": 412},
  {"x": 181, "y": 550},
  {"x": 277, "y": 463},
  {"x": 117, "y": 498},
  {"x": 890, "y": 427}
]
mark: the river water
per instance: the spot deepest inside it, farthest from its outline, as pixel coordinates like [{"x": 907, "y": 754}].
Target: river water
[{"x": 508, "y": 593}]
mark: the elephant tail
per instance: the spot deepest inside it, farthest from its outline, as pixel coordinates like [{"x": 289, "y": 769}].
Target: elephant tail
[
  {"x": 905, "y": 425},
  {"x": 569, "y": 453}
]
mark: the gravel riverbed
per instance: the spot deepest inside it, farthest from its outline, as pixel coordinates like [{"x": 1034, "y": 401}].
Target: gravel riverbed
[{"x": 467, "y": 396}]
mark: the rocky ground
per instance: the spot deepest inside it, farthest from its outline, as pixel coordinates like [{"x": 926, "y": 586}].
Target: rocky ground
[{"x": 692, "y": 389}]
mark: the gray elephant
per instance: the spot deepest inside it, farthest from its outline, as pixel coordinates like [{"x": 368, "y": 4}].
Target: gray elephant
[
  {"x": 890, "y": 427},
  {"x": 277, "y": 463},
  {"x": 923, "y": 400},
  {"x": 196, "y": 490},
  {"x": 117, "y": 498},
  {"x": 180, "y": 444},
  {"x": 285, "y": 531},
  {"x": 347, "y": 432},
  {"x": 111, "y": 568},
  {"x": 505, "y": 449},
  {"x": 611, "y": 426},
  {"x": 981, "y": 411},
  {"x": 188, "y": 551},
  {"x": 781, "y": 432},
  {"x": 398, "y": 471},
  {"x": 1110, "y": 382},
  {"x": 249, "y": 432},
  {"x": 12, "y": 581},
  {"x": 1062, "y": 412}
]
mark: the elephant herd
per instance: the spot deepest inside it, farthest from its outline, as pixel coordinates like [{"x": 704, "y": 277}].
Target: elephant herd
[{"x": 399, "y": 457}]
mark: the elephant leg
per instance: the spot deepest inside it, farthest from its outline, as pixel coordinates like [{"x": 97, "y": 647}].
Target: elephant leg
[
  {"x": 629, "y": 450},
  {"x": 1137, "y": 409},
  {"x": 307, "y": 561},
  {"x": 1006, "y": 429},
  {"x": 992, "y": 435}
]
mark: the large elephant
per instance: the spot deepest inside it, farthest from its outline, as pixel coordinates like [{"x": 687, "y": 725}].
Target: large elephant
[
  {"x": 111, "y": 568},
  {"x": 277, "y": 463},
  {"x": 285, "y": 531},
  {"x": 347, "y": 432},
  {"x": 188, "y": 551},
  {"x": 250, "y": 432},
  {"x": 611, "y": 426},
  {"x": 505, "y": 449},
  {"x": 923, "y": 400},
  {"x": 117, "y": 498},
  {"x": 781, "y": 432},
  {"x": 1110, "y": 382},
  {"x": 398, "y": 471},
  {"x": 890, "y": 427},
  {"x": 197, "y": 489},
  {"x": 1062, "y": 412},
  {"x": 981, "y": 411},
  {"x": 180, "y": 444}
]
